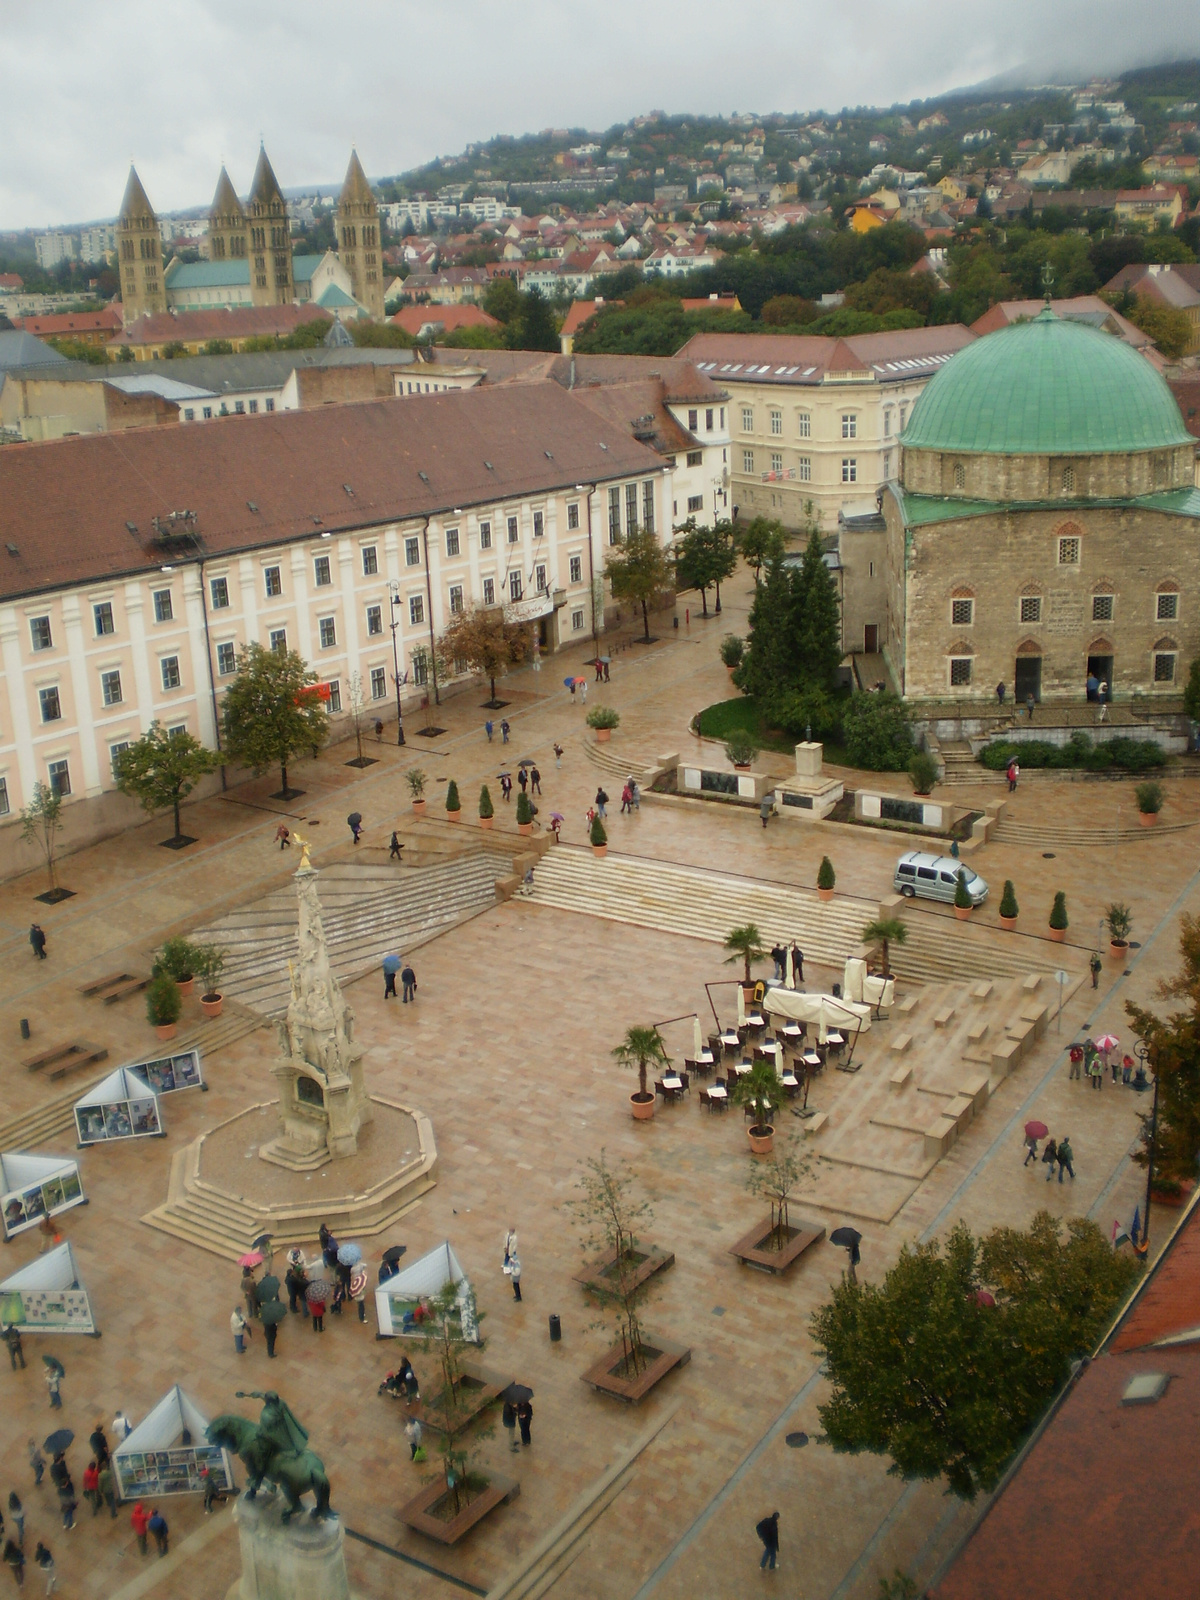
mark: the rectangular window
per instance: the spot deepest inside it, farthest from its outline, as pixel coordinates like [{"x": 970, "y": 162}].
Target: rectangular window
[
  {"x": 747, "y": 460},
  {"x": 614, "y": 516},
  {"x": 456, "y": 598},
  {"x": 60, "y": 778},
  {"x": 695, "y": 458},
  {"x": 514, "y": 586},
  {"x": 539, "y": 524},
  {"x": 370, "y": 560},
  {"x": 960, "y": 671},
  {"x": 648, "y": 505},
  {"x": 489, "y": 591},
  {"x": 1102, "y": 607},
  {"x": 452, "y": 541},
  {"x": 335, "y": 696},
  {"x": 239, "y": 407},
  {"x": 378, "y": 683},
  {"x": 4, "y": 805},
  {"x": 1031, "y": 608},
  {"x": 420, "y": 667},
  {"x": 777, "y": 422},
  {"x": 189, "y": 413},
  {"x": 1164, "y": 666},
  {"x": 169, "y": 666},
  {"x": 485, "y": 536},
  {"x": 226, "y": 660},
  {"x": 206, "y": 412},
  {"x": 327, "y": 628},
  {"x": 374, "y": 621},
  {"x": 693, "y": 420},
  {"x": 539, "y": 577},
  {"x": 163, "y": 609},
  {"x": 804, "y": 421},
  {"x": 747, "y": 419},
  {"x": 576, "y": 569},
  {"x": 278, "y": 640},
  {"x": 49, "y": 702},
  {"x": 576, "y": 621},
  {"x": 708, "y": 420},
  {"x": 1068, "y": 552},
  {"x": 804, "y": 469},
  {"x": 219, "y": 589},
  {"x": 887, "y": 424},
  {"x": 776, "y": 461},
  {"x": 514, "y": 530},
  {"x": 416, "y": 609},
  {"x": 272, "y": 582},
  {"x": 39, "y": 633},
  {"x": 110, "y": 687},
  {"x": 102, "y": 616},
  {"x": 1168, "y": 607},
  {"x": 962, "y": 613},
  {"x": 412, "y": 552},
  {"x": 631, "y": 508},
  {"x": 849, "y": 469},
  {"x": 269, "y": 403},
  {"x": 115, "y": 752},
  {"x": 254, "y": 408},
  {"x": 695, "y": 503},
  {"x": 849, "y": 425},
  {"x": 321, "y": 574},
  {"x": 573, "y": 514}
]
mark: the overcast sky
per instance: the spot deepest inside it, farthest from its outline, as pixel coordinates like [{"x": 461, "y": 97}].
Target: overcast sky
[{"x": 180, "y": 86}]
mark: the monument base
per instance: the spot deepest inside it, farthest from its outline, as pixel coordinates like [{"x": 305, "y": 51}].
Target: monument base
[{"x": 298, "y": 1560}]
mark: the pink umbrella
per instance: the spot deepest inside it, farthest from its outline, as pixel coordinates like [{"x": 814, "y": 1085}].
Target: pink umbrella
[
  {"x": 982, "y": 1297},
  {"x": 251, "y": 1259},
  {"x": 1107, "y": 1042}
]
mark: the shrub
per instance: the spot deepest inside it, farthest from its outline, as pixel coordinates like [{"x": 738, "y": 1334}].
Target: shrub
[
  {"x": 923, "y": 770},
  {"x": 732, "y": 650},
  {"x": 209, "y": 962},
  {"x": 962, "y": 895},
  {"x": 596, "y": 833},
  {"x": 1130, "y": 755},
  {"x": 524, "y": 809},
  {"x": 1058, "y": 913},
  {"x": 1008, "y": 900},
  {"x": 163, "y": 1000},
  {"x": 453, "y": 803},
  {"x": 811, "y": 707},
  {"x": 486, "y": 809},
  {"x": 1149, "y": 797},
  {"x": 603, "y": 717},
  {"x": 826, "y": 876},
  {"x": 1119, "y": 920},
  {"x": 741, "y": 750},
  {"x": 177, "y": 959},
  {"x": 416, "y": 782},
  {"x": 877, "y": 734}
]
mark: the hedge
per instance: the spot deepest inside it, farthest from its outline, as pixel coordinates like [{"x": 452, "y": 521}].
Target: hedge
[{"x": 1127, "y": 755}]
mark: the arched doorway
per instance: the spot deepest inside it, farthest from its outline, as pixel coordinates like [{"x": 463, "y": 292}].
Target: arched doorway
[
  {"x": 1100, "y": 668},
  {"x": 1027, "y": 673}
]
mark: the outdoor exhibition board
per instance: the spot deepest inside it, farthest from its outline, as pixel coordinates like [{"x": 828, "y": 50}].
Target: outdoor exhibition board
[
  {"x": 164, "y": 1453},
  {"x": 47, "y": 1296},
  {"x": 165, "y": 1074},
  {"x": 423, "y": 1280},
  {"x": 34, "y": 1186},
  {"x": 123, "y": 1106}
]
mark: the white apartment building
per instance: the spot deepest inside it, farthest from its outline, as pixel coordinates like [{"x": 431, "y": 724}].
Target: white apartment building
[
  {"x": 137, "y": 563},
  {"x": 51, "y": 248},
  {"x": 97, "y": 243}
]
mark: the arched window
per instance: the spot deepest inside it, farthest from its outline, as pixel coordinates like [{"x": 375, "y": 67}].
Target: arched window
[
  {"x": 960, "y": 475},
  {"x": 1068, "y": 480}
]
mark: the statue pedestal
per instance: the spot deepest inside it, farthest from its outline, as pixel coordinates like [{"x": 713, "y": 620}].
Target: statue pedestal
[
  {"x": 810, "y": 793},
  {"x": 300, "y": 1560}
]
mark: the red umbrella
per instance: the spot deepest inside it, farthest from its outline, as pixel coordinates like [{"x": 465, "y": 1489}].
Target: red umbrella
[
  {"x": 982, "y": 1297},
  {"x": 1036, "y": 1130},
  {"x": 252, "y": 1258}
]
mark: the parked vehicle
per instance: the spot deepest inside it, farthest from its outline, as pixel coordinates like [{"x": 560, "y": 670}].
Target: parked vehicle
[{"x": 935, "y": 878}]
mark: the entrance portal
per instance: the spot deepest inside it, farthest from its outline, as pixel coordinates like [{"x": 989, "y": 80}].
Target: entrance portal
[
  {"x": 1100, "y": 668},
  {"x": 1027, "y": 679},
  {"x": 871, "y": 638}
]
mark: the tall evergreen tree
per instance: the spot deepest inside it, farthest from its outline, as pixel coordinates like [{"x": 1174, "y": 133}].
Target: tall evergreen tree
[
  {"x": 818, "y": 634},
  {"x": 769, "y": 664}
]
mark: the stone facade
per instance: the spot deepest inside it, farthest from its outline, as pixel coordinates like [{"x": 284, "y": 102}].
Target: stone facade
[
  {"x": 139, "y": 253},
  {"x": 1113, "y": 476},
  {"x": 358, "y": 239}
]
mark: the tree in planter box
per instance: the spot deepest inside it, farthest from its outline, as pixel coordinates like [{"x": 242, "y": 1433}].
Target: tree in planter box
[
  {"x": 453, "y": 803},
  {"x": 774, "y": 1181},
  {"x": 608, "y": 1216},
  {"x": 163, "y": 1001},
  {"x": 453, "y": 1313}
]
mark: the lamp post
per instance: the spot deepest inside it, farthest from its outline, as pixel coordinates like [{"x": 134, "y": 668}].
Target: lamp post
[{"x": 394, "y": 589}]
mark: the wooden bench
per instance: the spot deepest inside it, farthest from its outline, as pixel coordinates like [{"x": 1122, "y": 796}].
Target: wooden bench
[
  {"x": 1032, "y": 982},
  {"x": 900, "y": 1043},
  {"x": 976, "y": 1032},
  {"x": 60, "y": 1059},
  {"x": 115, "y": 987},
  {"x": 902, "y": 1076},
  {"x": 943, "y": 1017},
  {"x": 982, "y": 990},
  {"x": 939, "y": 1136},
  {"x": 909, "y": 1005}
]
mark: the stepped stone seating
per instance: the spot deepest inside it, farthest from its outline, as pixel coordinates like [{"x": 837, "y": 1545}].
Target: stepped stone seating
[
  {"x": 902, "y": 1076},
  {"x": 900, "y": 1043}
]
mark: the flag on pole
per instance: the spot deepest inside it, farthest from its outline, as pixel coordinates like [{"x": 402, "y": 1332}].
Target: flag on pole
[{"x": 1136, "y": 1226}]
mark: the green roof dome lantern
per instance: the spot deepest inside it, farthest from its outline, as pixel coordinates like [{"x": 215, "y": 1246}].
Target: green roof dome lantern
[{"x": 1046, "y": 387}]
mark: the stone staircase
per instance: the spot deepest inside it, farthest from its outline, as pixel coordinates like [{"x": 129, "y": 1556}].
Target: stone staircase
[
  {"x": 369, "y": 909},
  {"x": 704, "y": 905},
  {"x": 618, "y": 763},
  {"x": 1041, "y": 835},
  {"x": 961, "y": 766}
]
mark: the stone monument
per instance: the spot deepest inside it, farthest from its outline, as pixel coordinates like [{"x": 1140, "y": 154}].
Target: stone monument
[
  {"x": 810, "y": 793},
  {"x": 322, "y": 1102}
]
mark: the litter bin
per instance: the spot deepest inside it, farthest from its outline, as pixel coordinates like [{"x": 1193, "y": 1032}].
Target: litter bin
[{"x": 555, "y": 1328}]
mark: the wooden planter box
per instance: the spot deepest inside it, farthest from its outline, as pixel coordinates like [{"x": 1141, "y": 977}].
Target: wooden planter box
[
  {"x": 595, "y": 1274},
  {"x": 480, "y": 1386},
  {"x": 662, "y": 1357},
  {"x": 752, "y": 1249},
  {"x": 419, "y": 1513}
]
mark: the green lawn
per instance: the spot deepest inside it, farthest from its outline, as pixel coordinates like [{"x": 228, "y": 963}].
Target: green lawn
[{"x": 742, "y": 715}]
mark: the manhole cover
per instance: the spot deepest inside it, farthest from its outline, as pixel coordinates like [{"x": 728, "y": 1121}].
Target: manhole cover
[
  {"x": 1047, "y": 855},
  {"x": 796, "y": 1441}
]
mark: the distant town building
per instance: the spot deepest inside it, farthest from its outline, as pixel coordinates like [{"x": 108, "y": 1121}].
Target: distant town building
[{"x": 53, "y": 248}]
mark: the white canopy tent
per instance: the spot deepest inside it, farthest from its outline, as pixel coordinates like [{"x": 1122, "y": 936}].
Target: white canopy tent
[
  {"x": 421, "y": 1281},
  {"x": 859, "y": 984},
  {"x": 831, "y": 1015},
  {"x": 47, "y": 1296},
  {"x": 121, "y": 1106},
  {"x": 164, "y": 1453},
  {"x": 34, "y": 1186}
]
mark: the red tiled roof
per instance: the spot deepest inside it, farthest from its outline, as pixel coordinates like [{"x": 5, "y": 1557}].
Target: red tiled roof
[
  {"x": 1187, "y": 396},
  {"x": 11, "y": 280},
  {"x": 1005, "y": 312},
  {"x": 230, "y": 322},
  {"x": 413, "y": 318},
  {"x": 68, "y": 322},
  {"x": 788, "y": 358},
  {"x": 581, "y": 311}
]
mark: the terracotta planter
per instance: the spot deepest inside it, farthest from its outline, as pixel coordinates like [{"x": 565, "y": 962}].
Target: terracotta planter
[
  {"x": 1176, "y": 1200},
  {"x": 165, "y": 1030},
  {"x": 600, "y": 850},
  {"x": 963, "y": 913},
  {"x": 525, "y": 828},
  {"x": 741, "y": 766},
  {"x": 642, "y": 1110},
  {"x": 1057, "y": 934},
  {"x": 419, "y": 807},
  {"x": 1147, "y": 818},
  {"x": 185, "y": 987},
  {"x": 1118, "y": 950},
  {"x": 211, "y": 1004},
  {"x": 486, "y": 822},
  {"x": 1008, "y": 923},
  {"x": 825, "y": 894},
  {"x": 748, "y": 992},
  {"x": 761, "y": 1140},
  {"x": 603, "y": 735},
  {"x": 454, "y": 816}
]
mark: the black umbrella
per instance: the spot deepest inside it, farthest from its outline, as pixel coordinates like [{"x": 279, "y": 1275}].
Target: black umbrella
[
  {"x": 272, "y": 1311},
  {"x": 263, "y": 1243},
  {"x": 353, "y": 820},
  {"x": 847, "y": 1237},
  {"x": 268, "y": 1288},
  {"x": 317, "y": 1292},
  {"x": 59, "y": 1441},
  {"x": 55, "y": 1365},
  {"x": 393, "y": 1253},
  {"x": 516, "y": 1393}
]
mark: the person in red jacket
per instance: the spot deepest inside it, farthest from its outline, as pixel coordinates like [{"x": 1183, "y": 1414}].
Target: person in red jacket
[
  {"x": 140, "y": 1518},
  {"x": 91, "y": 1485}
]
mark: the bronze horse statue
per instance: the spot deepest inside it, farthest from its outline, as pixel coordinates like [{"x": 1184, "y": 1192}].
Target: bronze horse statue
[{"x": 275, "y": 1451}]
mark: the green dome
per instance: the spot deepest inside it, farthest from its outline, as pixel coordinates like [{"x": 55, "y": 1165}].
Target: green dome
[{"x": 1046, "y": 387}]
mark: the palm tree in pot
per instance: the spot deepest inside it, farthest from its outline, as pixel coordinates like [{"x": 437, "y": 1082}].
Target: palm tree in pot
[
  {"x": 885, "y": 931},
  {"x": 1119, "y": 920},
  {"x": 759, "y": 1089},
  {"x": 640, "y": 1049},
  {"x": 747, "y": 946}
]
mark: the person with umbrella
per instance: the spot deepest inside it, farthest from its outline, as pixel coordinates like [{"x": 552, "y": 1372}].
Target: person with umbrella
[
  {"x": 391, "y": 966},
  {"x": 295, "y": 1280},
  {"x": 522, "y": 777},
  {"x": 248, "y": 1262},
  {"x": 389, "y": 1266},
  {"x": 55, "y": 1373},
  {"x": 1049, "y": 1158},
  {"x": 358, "y": 1290},
  {"x": 272, "y": 1312},
  {"x": 849, "y": 1239},
  {"x": 508, "y": 1420},
  {"x": 514, "y": 1397},
  {"x": 349, "y": 1255},
  {"x": 556, "y": 821},
  {"x": 354, "y": 823},
  {"x": 58, "y": 1444},
  {"x": 317, "y": 1294},
  {"x": 1033, "y": 1132}
]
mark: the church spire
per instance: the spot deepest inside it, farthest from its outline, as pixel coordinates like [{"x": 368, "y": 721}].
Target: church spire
[
  {"x": 358, "y": 238},
  {"x": 139, "y": 253},
  {"x": 135, "y": 204},
  {"x": 265, "y": 190}
]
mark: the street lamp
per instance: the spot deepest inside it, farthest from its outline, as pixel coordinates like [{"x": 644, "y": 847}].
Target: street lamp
[{"x": 395, "y": 599}]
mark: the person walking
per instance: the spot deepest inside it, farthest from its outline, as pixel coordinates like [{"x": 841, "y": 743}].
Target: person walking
[
  {"x": 317, "y": 1311},
  {"x": 535, "y": 781},
  {"x": 158, "y": 1527},
  {"x": 211, "y": 1492},
  {"x": 1096, "y": 966},
  {"x": 51, "y": 1238},
  {"x": 489, "y": 728},
  {"x": 583, "y": 691},
  {"x": 1096, "y": 1070},
  {"x": 522, "y": 779},
  {"x": 412, "y": 1432},
  {"x": 1065, "y": 1157},
  {"x": 1030, "y": 702},
  {"x": 635, "y": 794},
  {"x": 240, "y": 1329},
  {"x": 295, "y": 1281},
  {"x": 797, "y": 963},
  {"x": 1013, "y": 773},
  {"x": 391, "y": 966},
  {"x": 60, "y": 1472},
  {"x": 16, "y": 1353},
  {"x": 283, "y": 834},
  {"x": 91, "y": 1486},
  {"x": 37, "y": 1463},
  {"x": 768, "y": 1531},
  {"x": 510, "y": 1245},
  {"x": 358, "y": 1292},
  {"x": 765, "y": 807},
  {"x": 53, "y": 1380},
  {"x": 508, "y": 1419},
  {"x": 395, "y": 847},
  {"x": 600, "y": 802},
  {"x": 140, "y": 1518},
  {"x": 378, "y": 730},
  {"x": 505, "y": 730},
  {"x": 408, "y": 979},
  {"x": 525, "y": 1420},
  {"x": 271, "y": 1330},
  {"x": 514, "y": 1272},
  {"x": 558, "y": 754},
  {"x": 108, "y": 1488},
  {"x": 14, "y": 1560},
  {"x": 44, "y": 1562},
  {"x": 1031, "y": 1151},
  {"x": 17, "y": 1512},
  {"x": 599, "y": 670},
  {"x": 999, "y": 694},
  {"x": 1050, "y": 1157},
  {"x": 354, "y": 822},
  {"x": 572, "y": 686},
  {"x": 37, "y": 939},
  {"x": 607, "y": 679},
  {"x": 121, "y": 1427},
  {"x": 250, "y": 1293},
  {"x": 67, "y": 1504},
  {"x": 626, "y": 799},
  {"x": 98, "y": 1442},
  {"x": 412, "y": 1386},
  {"x": 779, "y": 958}
]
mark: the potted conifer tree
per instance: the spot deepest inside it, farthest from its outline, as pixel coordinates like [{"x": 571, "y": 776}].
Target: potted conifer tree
[
  {"x": 826, "y": 878},
  {"x": 487, "y": 811},
  {"x": 1009, "y": 909},
  {"x": 453, "y": 803},
  {"x": 598, "y": 837},
  {"x": 1058, "y": 918},
  {"x": 962, "y": 898},
  {"x": 524, "y": 814},
  {"x": 1149, "y": 801}
]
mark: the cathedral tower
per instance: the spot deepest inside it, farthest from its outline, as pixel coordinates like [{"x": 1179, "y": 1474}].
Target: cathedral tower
[
  {"x": 358, "y": 238},
  {"x": 270, "y": 241},
  {"x": 227, "y": 227},
  {"x": 139, "y": 250}
]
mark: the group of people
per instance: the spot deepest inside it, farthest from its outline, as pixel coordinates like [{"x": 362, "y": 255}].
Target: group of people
[
  {"x": 1056, "y": 1155},
  {"x": 393, "y": 966},
  {"x": 304, "y": 1294},
  {"x": 780, "y": 955},
  {"x": 1089, "y": 1061}
]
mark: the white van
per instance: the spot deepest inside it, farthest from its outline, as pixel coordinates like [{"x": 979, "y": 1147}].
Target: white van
[{"x": 935, "y": 878}]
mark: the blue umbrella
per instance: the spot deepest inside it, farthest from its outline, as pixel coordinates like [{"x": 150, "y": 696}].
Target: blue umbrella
[
  {"x": 349, "y": 1254},
  {"x": 392, "y": 964},
  {"x": 569, "y": 681}
]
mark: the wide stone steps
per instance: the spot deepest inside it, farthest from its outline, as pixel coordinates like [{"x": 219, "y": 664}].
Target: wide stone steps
[
  {"x": 367, "y": 912},
  {"x": 616, "y": 761},
  {"x": 706, "y": 905},
  {"x": 1040, "y": 835}
]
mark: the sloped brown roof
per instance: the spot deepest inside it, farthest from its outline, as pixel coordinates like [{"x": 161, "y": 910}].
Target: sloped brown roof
[
  {"x": 226, "y": 206},
  {"x": 65, "y": 505},
  {"x": 135, "y": 203},
  {"x": 791, "y": 358},
  {"x": 224, "y": 322},
  {"x": 1187, "y": 397},
  {"x": 265, "y": 190},
  {"x": 67, "y": 322},
  {"x": 356, "y": 190},
  {"x": 413, "y": 318},
  {"x": 639, "y": 407}
]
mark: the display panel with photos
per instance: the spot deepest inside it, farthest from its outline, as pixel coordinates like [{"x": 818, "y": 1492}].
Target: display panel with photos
[
  {"x": 119, "y": 1119},
  {"x": 25, "y": 1208},
  {"x": 47, "y": 1310},
  {"x": 175, "y": 1471},
  {"x": 165, "y": 1074}
]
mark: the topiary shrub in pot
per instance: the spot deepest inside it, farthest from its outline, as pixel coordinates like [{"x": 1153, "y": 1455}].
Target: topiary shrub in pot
[
  {"x": 1009, "y": 909},
  {"x": 487, "y": 811},
  {"x": 1058, "y": 918},
  {"x": 962, "y": 898},
  {"x": 1149, "y": 801},
  {"x": 603, "y": 719},
  {"x": 741, "y": 750},
  {"x": 453, "y": 803},
  {"x": 732, "y": 651},
  {"x": 1119, "y": 920},
  {"x": 209, "y": 961},
  {"x": 177, "y": 959},
  {"x": 417, "y": 780},
  {"x": 163, "y": 1004},
  {"x": 598, "y": 837},
  {"x": 923, "y": 770},
  {"x": 826, "y": 878},
  {"x": 524, "y": 814}
]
